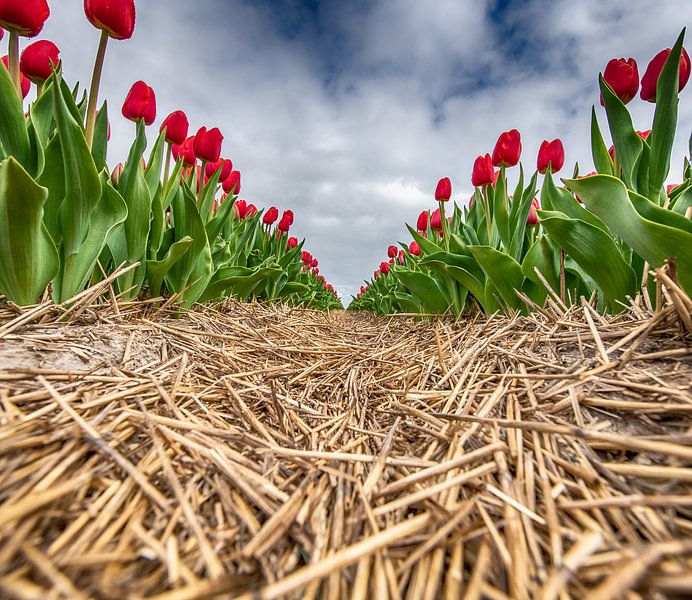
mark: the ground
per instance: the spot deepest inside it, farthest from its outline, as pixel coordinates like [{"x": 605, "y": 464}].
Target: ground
[{"x": 262, "y": 451}]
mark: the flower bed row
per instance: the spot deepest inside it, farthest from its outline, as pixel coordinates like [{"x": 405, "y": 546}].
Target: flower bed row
[
  {"x": 67, "y": 220},
  {"x": 598, "y": 234}
]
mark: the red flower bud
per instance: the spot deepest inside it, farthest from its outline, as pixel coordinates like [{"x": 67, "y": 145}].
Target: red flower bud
[
  {"x": 507, "y": 149},
  {"x": 223, "y": 164},
  {"x": 422, "y": 224},
  {"x": 392, "y": 251},
  {"x": 533, "y": 217},
  {"x": 185, "y": 151},
  {"x": 292, "y": 243},
  {"x": 25, "y": 17},
  {"x": 306, "y": 256},
  {"x": 483, "y": 171},
  {"x": 286, "y": 221},
  {"x": 117, "y": 172},
  {"x": 115, "y": 17},
  {"x": 443, "y": 192},
  {"x": 24, "y": 82},
  {"x": 270, "y": 218},
  {"x": 208, "y": 144},
  {"x": 553, "y": 154},
  {"x": 314, "y": 262},
  {"x": 671, "y": 187},
  {"x": 436, "y": 220},
  {"x": 414, "y": 248},
  {"x": 37, "y": 60},
  {"x": 623, "y": 78},
  {"x": 653, "y": 71},
  {"x": 400, "y": 257},
  {"x": 176, "y": 126},
  {"x": 232, "y": 183},
  {"x": 384, "y": 268},
  {"x": 240, "y": 209},
  {"x": 140, "y": 103},
  {"x": 251, "y": 211}
]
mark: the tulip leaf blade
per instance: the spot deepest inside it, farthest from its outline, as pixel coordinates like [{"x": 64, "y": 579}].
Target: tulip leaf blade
[
  {"x": 14, "y": 136},
  {"x": 599, "y": 151},
  {"x": 502, "y": 270},
  {"x": 423, "y": 287}
]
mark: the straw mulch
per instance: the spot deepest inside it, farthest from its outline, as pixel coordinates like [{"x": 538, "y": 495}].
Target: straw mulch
[{"x": 265, "y": 452}]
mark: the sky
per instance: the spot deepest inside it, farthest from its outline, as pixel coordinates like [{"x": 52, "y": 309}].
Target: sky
[{"x": 349, "y": 111}]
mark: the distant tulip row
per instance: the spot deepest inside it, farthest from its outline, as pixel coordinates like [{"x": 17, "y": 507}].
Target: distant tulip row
[
  {"x": 173, "y": 222},
  {"x": 599, "y": 234}
]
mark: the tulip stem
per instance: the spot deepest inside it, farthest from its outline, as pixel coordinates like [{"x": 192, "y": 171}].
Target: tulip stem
[
  {"x": 94, "y": 91},
  {"x": 486, "y": 205},
  {"x": 200, "y": 183},
  {"x": 562, "y": 276},
  {"x": 445, "y": 228},
  {"x": 13, "y": 58}
]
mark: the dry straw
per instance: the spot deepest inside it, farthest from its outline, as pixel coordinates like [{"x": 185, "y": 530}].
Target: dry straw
[{"x": 264, "y": 452}]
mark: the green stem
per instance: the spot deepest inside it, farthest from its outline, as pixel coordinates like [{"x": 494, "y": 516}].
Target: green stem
[
  {"x": 167, "y": 168},
  {"x": 486, "y": 206},
  {"x": 13, "y": 59},
  {"x": 39, "y": 90},
  {"x": 94, "y": 90}
]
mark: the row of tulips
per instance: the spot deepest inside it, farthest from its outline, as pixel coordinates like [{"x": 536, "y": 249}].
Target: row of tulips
[
  {"x": 599, "y": 233},
  {"x": 173, "y": 216}
]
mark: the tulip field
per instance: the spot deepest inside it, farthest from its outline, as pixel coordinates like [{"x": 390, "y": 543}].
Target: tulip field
[{"x": 187, "y": 411}]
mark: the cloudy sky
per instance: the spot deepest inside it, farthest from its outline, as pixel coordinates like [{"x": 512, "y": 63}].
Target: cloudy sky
[{"x": 349, "y": 111}]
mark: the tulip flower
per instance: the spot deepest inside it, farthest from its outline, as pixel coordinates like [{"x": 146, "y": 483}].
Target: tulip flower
[
  {"x": 384, "y": 268},
  {"x": 270, "y": 218},
  {"x": 422, "y": 224},
  {"x": 251, "y": 211},
  {"x": 400, "y": 257},
  {"x": 232, "y": 183},
  {"x": 25, "y": 84},
  {"x": 223, "y": 165},
  {"x": 414, "y": 248},
  {"x": 185, "y": 151},
  {"x": 240, "y": 209},
  {"x": 392, "y": 251},
  {"x": 533, "y": 217},
  {"x": 314, "y": 262},
  {"x": 623, "y": 78},
  {"x": 24, "y": 17},
  {"x": 292, "y": 243},
  {"x": 653, "y": 71},
  {"x": 208, "y": 144},
  {"x": 285, "y": 222},
  {"x": 38, "y": 60},
  {"x": 483, "y": 171},
  {"x": 671, "y": 187},
  {"x": 507, "y": 149},
  {"x": 443, "y": 192},
  {"x": 140, "y": 103},
  {"x": 436, "y": 220},
  {"x": 176, "y": 126},
  {"x": 115, "y": 19},
  {"x": 116, "y": 174},
  {"x": 551, "y": 154}
]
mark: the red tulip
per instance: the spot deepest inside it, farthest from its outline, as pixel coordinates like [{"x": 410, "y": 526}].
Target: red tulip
[
  {"x": 305, "y": 256},
  {"x": 316, "y": 271},
  {"x": 186, "y": 151},
  {"x": 392, "y": 251},
  {"x": 653, "y": 71},
  {"x": 400, "y": 257},
  {"x": 223, "y": 164},
  {"x": 285, "y": 222},
  {"x": 232, "y": 183},
  {"x": 623, "y": 78},
  {"x": 292, "y": 243},
  {"x": 507, "y": 149},
  {"x": 533, "y": 217},
  {"x": 422, "y": 224},
  {"x": 314, "y": 262},
  {"x": 443, "y": 192},
  {"x": 25, "y": 83},
  {"x": 671, "y": 187},
  {"x": 115, "y": 17},
  {"x": 38, "y": 59},
  {"x": 251, "y": 211},
  {"x": 551, "y": 154},
  {"x": 140, "y": 103},
  {"x": 414, "y": 248},
  {"x": 208, "y": 144},
  {"x": 270, "y": 218},
  {"x": 240, "y": 209},
  {"x": 24, "y": 17},
  {"x": 436, "y": 220},
  {"x": 288, "y": 214},
  {"x": 176, "y": 126},
  {"x": 483, "y": 171},
  {"x": 384, "y": 268}
]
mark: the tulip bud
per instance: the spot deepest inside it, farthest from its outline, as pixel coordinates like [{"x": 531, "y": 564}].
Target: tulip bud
[
  {"x": 443, "y": 192},
  {"x": 286, "y": 221},
  {"x": 185, "y": 151},
  {"x": 653, "y": 72},
  {"x": 316, "y": 271},
  {"x": 240, "y": 209},
  {"x": 551, "y": 154},
  {"x": 483, "y": 171},
  {"x": 140, "y": 103},
  {"x": 115, "y": 17},
  {"x": 384, "y": 268},
  {"x": 671, "y": 187},
  {"x": 392, "y": 251},
  {"x": 436, "y": 220},
  {"x": 117, "y": 172},
  {"x": 38, "y": 60},
  {"x": 422, "y": 224},
  {"x": 251, "y": 211},
  {"x": 292, "y": 243},
  {"x": 208, "y": 144},
  {"x": 306, "y": 256},
  {"x": 270, "y": 218},
  {"x": 414, "y": 248},
  {"x": 24, "y": 82},
  {"x": 533, "y": 217},
  {"x": 314, "y": 262},
  {"x": 176, "y": 126},
  {"x": 400, "y": 257},
  {"x": 623, "y": 78},
  {"x": 232, "y": 183},
  {"x": 507, "y": 149},
  {"x": 24, "y": 17},
  {"x": 223, "y": 164}
]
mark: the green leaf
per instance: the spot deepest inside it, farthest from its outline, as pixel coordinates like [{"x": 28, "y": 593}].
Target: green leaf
[
  {"x": 504, "y": 272},
  {"x": 463, "y": 269},
  {"x": 238, "y": 281},
  {"x": 426, "y": 246},
  {"x": 53, "y": 179},
  {"x": 99, "y": 147},
  {"x": 153, "y": 171},
  {"x": 423, "y": 287},
  {"x": 29, "y": 257},
  {"x": 544, "y": 256},
  {"x": 158, "y": 269},
  {"x": 599, "y": 150},
  {"x": 13, "y": 133}
]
